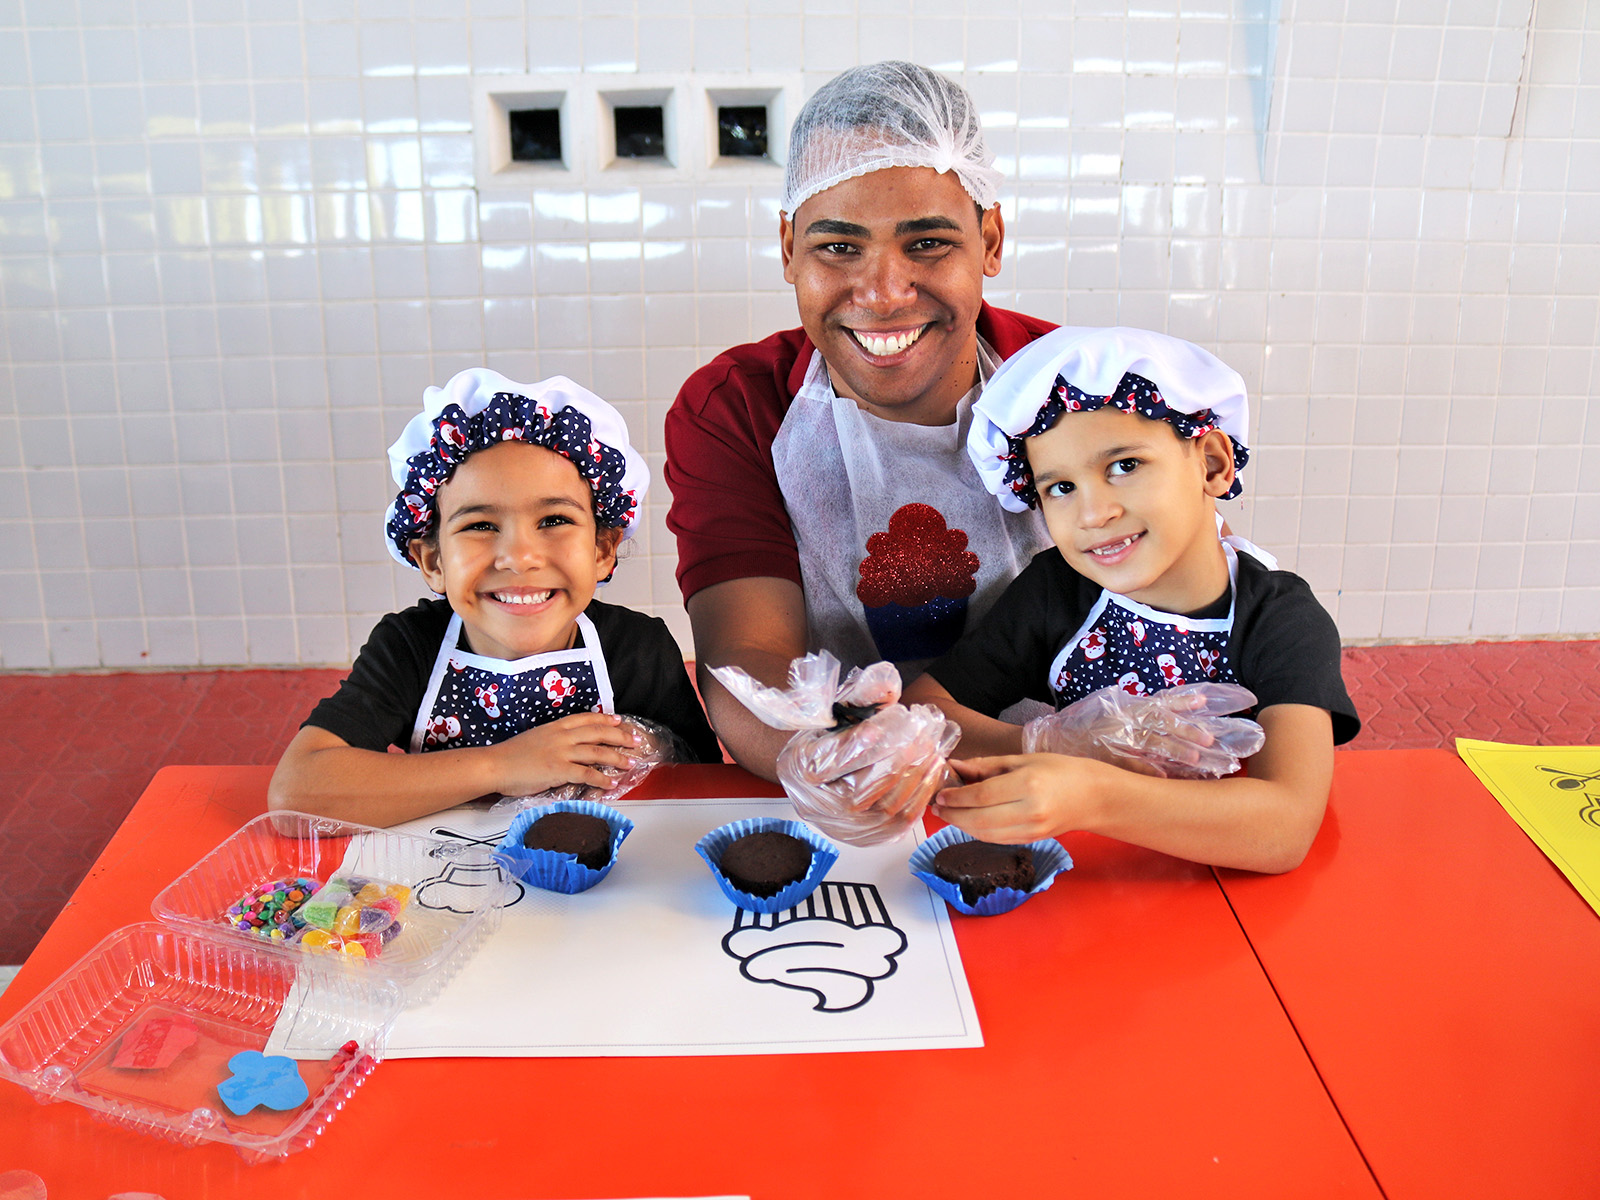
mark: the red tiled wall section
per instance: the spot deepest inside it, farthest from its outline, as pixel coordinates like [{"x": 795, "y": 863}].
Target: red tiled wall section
[{"x": 80, "y": 748}]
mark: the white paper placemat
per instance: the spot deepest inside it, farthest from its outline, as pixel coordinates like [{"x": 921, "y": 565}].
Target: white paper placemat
[{"x": 654, "y": 960}]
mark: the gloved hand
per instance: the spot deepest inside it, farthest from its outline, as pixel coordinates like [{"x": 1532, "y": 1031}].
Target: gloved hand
[
  {"x": 652, "y": 746},
  {"x": 861, "y": 766},
  {"x": 1180, "y": 733}
]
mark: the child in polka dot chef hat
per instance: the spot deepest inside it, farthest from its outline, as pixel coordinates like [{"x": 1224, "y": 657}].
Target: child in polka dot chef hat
[
  {"x": 1142, "y": 625},
  {"x": 513, "y": 502}
]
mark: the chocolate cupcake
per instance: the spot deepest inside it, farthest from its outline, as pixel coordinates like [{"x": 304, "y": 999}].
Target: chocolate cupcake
[
  {"x": 978, "y": 868},
  {"x": 765, "y": 862},
  {"x": 984, "y": 880},
  {"x": 584, "y": 836},
  {"x": 568, "y": 846},
  {"x": 780, "y": 863}
]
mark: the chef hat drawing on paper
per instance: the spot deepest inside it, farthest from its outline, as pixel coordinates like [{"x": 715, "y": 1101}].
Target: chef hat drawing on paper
[
  {"x": 1074, "y": 369},
  {"x": 479, "y": 408},
  {"x": 887, "y": 114}
]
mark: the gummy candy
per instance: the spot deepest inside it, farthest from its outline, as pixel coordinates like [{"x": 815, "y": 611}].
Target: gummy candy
[
  {"x": 374, "y": 920},
  {"x": 347, "y": 921},
  {"x": 318, "y": 913}
]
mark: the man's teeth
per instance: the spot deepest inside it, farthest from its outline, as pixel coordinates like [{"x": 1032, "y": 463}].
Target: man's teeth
[
  {"x": 1115, "y": 547},
  {"x": 521, "y": 597},
  {"x": 880, "y": 345}
]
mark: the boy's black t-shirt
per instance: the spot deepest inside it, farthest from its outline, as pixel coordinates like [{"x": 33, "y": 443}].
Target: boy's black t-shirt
[
  {"x": 1284, "y": 646},
  {"x": 376, "y": 705}
]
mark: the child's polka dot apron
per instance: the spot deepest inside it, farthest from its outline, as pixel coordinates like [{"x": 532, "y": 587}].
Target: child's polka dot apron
[
  {"x": 1143, "y": 650},
  {"x": 476, "y": 701}
]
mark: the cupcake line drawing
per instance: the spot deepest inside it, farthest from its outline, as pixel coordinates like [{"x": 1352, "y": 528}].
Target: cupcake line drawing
[
  {"x": 449, "y": 889},
  {"x": 914, "y": 584},
  {"x": 836, "y": 944}
]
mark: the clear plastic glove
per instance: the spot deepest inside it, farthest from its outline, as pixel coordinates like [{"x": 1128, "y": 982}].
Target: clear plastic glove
[
  {"x": 861, "y": 766},
  {"x": 1181, "y": 733},
  {"x": 652, "y": 746}
]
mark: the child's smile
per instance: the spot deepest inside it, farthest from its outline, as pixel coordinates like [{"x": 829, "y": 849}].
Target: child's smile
[
  {"x": 1130, "y": 505},
  {"x": 518, "y": 554}
]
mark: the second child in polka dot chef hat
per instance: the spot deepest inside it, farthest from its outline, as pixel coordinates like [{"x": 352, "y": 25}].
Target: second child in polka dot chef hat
[
  {"x": 1083, "y": 369},
  {"x": 480, "y": 408}
]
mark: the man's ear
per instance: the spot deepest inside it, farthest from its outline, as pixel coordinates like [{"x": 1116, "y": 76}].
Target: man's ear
[
  {"x": 1216, "y": 454},
  {"x": 786, "y": 245},
  {"x": 425, "y": 553},
  {"x": 993, "y": 228}
]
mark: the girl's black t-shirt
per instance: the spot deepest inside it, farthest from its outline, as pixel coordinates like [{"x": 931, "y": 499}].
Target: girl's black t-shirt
[{"x": 376, "y": 705}]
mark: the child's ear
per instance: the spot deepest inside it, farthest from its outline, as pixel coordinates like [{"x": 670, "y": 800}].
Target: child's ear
[
  {"x": 606, "y": 542},
  {"x": 425, "y": 553},
  {"x": 1216, "y": 453}
]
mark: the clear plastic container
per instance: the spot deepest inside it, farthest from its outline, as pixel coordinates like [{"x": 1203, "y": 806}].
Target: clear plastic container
[
  {"x": 456, "y": 892},
  {"x": 229, "y": 995}
]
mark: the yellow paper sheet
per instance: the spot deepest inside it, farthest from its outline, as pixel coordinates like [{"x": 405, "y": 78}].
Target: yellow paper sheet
[{"x": 1553, "y": 792}]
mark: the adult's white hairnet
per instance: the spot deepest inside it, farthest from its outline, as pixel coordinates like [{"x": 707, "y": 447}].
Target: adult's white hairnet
[{"x": 888, "y": 114}]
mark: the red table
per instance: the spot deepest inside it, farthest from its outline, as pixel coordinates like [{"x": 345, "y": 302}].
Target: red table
[
  {"x": 1445, "y": 978},
  {"x": 1134, "y": 1047}
]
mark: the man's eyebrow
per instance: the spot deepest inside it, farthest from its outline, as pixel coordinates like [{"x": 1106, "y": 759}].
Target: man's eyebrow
[
  {"x": 926, "y": 225},
  {"x": 838, "y": 228}
]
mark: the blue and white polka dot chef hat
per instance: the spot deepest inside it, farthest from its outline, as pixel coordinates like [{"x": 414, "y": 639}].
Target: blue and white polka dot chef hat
[
  {"x": 1079, "y": 369},
  {"x": 480, "y": 408}
]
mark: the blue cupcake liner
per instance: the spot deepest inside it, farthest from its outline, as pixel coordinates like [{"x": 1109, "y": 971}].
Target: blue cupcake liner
[
  {"x": 1049, "y": 860},
  {"x": 824, "y": 855},
  {"x": 553, "y": 871}
]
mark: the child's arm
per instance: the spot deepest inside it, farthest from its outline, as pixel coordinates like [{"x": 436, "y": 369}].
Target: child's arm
[
  {"x": 1263, "y": 822},
  {"x": 323, "y": 774},
  {"x": 980, "y": 734}
]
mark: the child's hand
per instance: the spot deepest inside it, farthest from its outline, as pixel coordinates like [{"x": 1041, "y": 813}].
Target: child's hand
[
  {"x": 1020, "y": 798},
  {"x": 1178, "y": 733},
  {"x": 570, "y": 750}
]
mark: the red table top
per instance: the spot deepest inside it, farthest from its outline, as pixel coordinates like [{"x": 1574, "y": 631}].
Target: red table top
[
  {"x": 1445, "y": 978},
  {"x": 1133, "y": 1046}
]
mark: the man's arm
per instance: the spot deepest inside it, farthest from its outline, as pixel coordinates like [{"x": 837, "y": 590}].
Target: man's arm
[{"x": 759, "y": 626}]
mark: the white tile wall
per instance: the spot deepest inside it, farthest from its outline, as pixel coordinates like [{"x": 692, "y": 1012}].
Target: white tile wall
[{"x": 236, "y": 241}]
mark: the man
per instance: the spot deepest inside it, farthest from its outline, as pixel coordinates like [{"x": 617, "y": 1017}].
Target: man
[{"x": 822, "y": 494}]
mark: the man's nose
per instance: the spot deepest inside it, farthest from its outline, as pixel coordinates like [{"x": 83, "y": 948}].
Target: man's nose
[{"x": 886, "y": 283}]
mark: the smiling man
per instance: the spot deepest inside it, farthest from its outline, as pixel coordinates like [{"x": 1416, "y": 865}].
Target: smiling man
[{"x": 822, "y": 494}]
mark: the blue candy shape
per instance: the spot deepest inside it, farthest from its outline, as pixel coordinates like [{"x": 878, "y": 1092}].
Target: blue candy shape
[{"x": 260, "y": 1078}]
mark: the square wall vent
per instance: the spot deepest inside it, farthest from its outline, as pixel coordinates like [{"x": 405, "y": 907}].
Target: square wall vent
[{"x": 593, "y": 130}]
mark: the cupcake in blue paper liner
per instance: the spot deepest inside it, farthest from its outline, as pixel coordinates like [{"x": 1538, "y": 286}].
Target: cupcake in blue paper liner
[
  {"x": 565, "y": 870},
  {"x": 715, "y": 845},
  {"x": 1048, "y": 861}
]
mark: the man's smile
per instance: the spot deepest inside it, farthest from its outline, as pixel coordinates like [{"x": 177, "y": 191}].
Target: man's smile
[{"x": 888, "y": 342}]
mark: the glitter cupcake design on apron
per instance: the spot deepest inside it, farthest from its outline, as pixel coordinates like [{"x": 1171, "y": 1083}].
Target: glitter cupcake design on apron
[
  {"x": 1143, "y": 650},
  {"x": 858, "y": 490},
  {"x": 914, "y": 584},
  {"x": 476, "y": 701}
]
